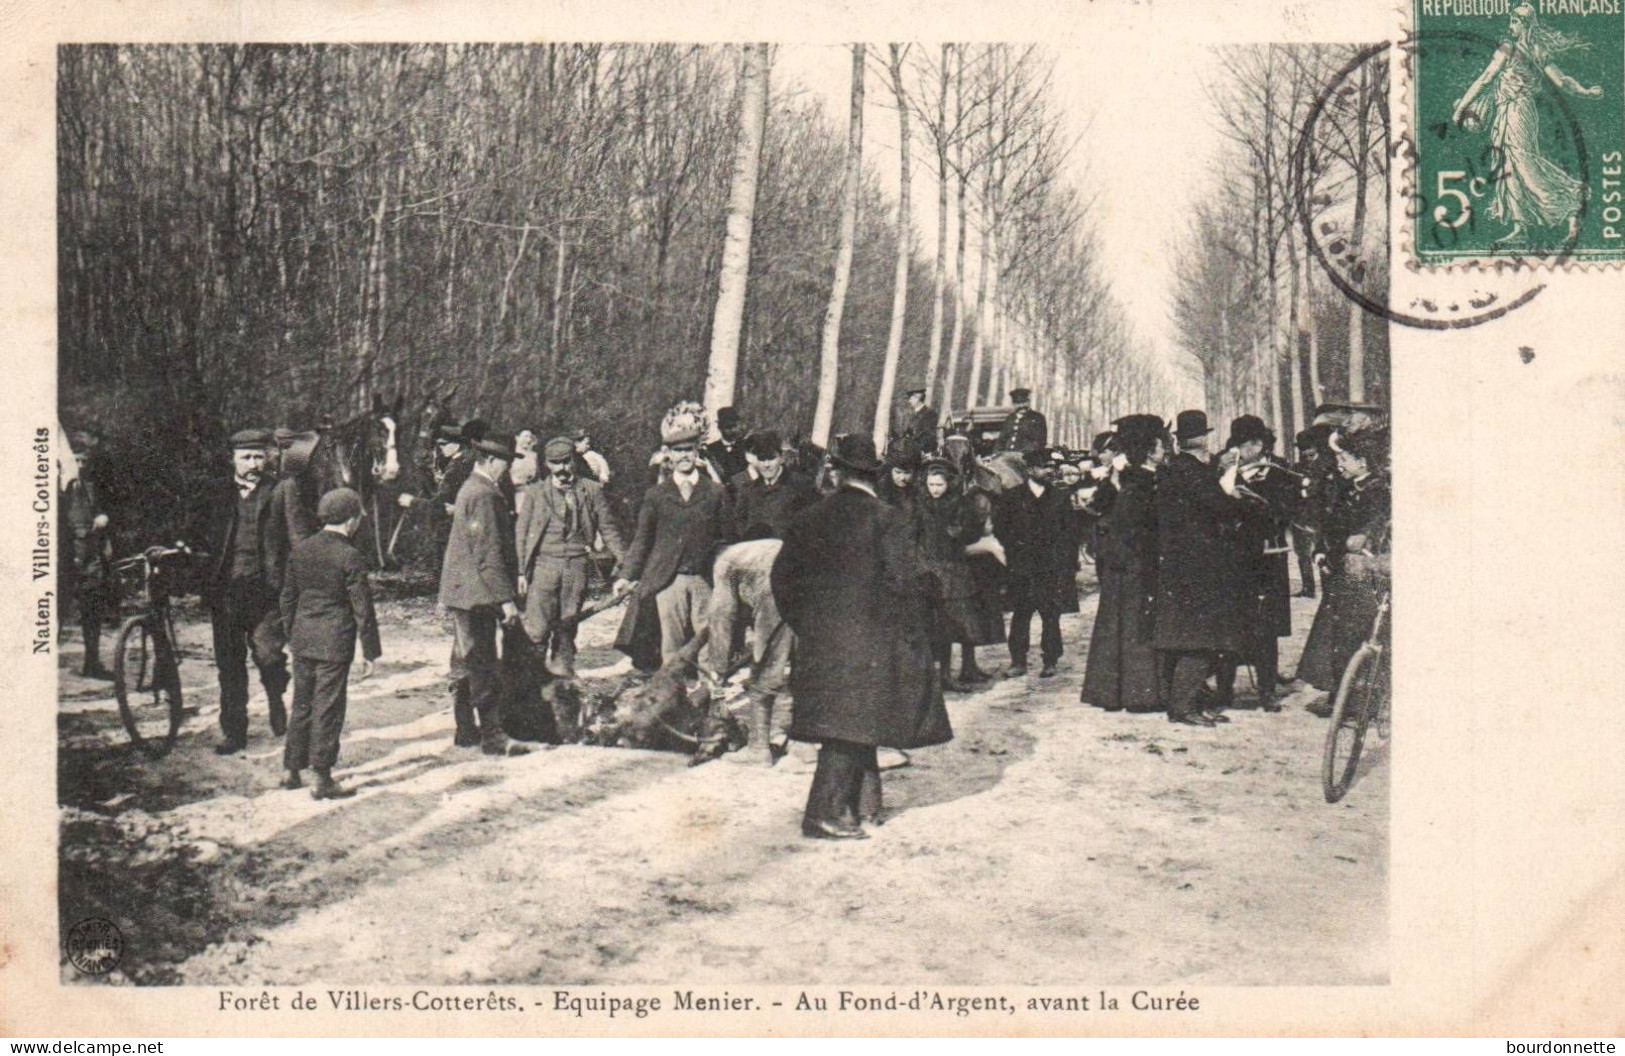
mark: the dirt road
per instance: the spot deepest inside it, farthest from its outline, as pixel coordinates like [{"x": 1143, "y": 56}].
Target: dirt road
[{"x": 1049, "y": 843}]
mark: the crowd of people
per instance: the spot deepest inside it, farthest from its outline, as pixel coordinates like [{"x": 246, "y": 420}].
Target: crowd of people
[{"x": 847, "y": 578}]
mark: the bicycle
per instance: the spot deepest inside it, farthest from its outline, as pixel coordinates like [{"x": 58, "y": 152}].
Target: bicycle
[
  {"x": 146, "y": 669},
  {"x": 1361, "y": 698}
]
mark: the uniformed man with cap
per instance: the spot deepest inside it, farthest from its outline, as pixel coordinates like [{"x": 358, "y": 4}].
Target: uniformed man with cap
[
  {"x": 1024, "y": 428},
  {"x": 242, "y": 587},
  {"x": 326, "y": 607},
  {"x": 922, "y": 426},
  {"x": 560, "y": 518},
  {"x": 477, "y": 590}
]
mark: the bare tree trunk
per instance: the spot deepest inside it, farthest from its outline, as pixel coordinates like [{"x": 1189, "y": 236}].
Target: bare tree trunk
[
  {"x": 899, "y": 305},
  {"x": 829, "y": 360},
  {"x": 1357, "y": 241},
  {"x": 959, "y": 243},
  {"x": 939, "y": 277},
  {"x": 1294, "y": 332},
  {"x": 722, "y": 372}
]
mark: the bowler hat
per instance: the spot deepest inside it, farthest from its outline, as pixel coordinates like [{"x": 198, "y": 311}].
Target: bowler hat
[
  {"x": 498, "y": 444},
  {"x": 1190, "y": 424},
  {"x": 727, "y": 416},
  {"x": 914, "y": 392},
  {"x": 1250, "y": 427},
  {"x": 338, "y": 506},
  {"x": 1307, "y": 438},
  {"x": 558, "y": 449},
  {"x": 475, "y": 429},
  {"x": 854, "y": 451},
  {"x": 259, "y": 439},
  {"x": 765, "y": 444},
  {"x": 1020, "y": 394}
]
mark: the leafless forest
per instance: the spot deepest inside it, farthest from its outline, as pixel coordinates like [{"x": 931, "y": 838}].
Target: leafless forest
[
  {"x": 1307, "y": 132},
  {"x": 569, "y": 234}
]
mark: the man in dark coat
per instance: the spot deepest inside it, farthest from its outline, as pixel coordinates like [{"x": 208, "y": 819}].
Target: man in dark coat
[
  {"x": 921, "y": 426},
  {"x": 477, "y": 589},
  {"x": 1037, "y": 526},
  {"x": 560, "y": 518},
  {"x": 851, "y": 583},
  {"x": 326, "y": 606},
  {"x": 727, "y": 453},
  {"x": 1024, "y": 429},
  {"x": 682, "y": 523},
  {"x": 1197, "y": 626},
  {"x": 449, "y": 468},
  {"x": 1270, "y": 490},
  {"x": 770, "y": 494},
  {"x": 1320, "y": 485},
  {"x": 243, "y": 583}
]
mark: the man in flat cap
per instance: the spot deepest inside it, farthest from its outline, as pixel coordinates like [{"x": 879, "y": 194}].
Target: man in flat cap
[
  {"x": 243, "y": 584},
  {"x": 727, "y": 453},
  {"x": 1024, "y": 429},
  {"x": 477, "y": 581},
  {"x": 326, "y": 607},
  {"x": 922, "y": 426},
  {"x": 1037, "y": 526},
  {"x": 560, "y": 518},
  {"x": 1198, "y": 631}
]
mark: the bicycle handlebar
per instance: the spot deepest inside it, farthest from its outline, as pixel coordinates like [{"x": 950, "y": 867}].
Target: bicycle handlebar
[{"x": 154, "y": 554}]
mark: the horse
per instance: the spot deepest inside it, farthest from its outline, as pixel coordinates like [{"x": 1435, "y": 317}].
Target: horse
[{"x": 361, "y": 453}]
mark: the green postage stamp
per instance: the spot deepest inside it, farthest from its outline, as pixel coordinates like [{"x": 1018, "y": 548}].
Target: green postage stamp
[{"x": 1519, "y": 122}]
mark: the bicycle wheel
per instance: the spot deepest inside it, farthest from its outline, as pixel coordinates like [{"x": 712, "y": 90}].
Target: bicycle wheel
[
  {"x": 147, "y": 685},
  {"x": 1352, "y": 708}
]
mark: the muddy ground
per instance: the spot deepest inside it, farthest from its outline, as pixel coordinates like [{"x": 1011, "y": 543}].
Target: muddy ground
[{"x": 1049, "y": 843}]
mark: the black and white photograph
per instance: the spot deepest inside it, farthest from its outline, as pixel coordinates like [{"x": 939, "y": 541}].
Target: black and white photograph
[{"x": 878, "y": 528}]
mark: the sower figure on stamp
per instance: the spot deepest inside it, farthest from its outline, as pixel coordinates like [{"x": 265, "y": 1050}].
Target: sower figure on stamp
[
  {"x": 1198, "y": 632},
  {"x": 477, "y": 581},
  {"x": 243, "y": 584},
  {"x": 87, "y": 554},
  {"x": 1038, "y": 528},
  {"x": 326, "y": 606},
  {"x": 681, "y": 524},
  {"x": 851, "y": 582},
  {"x": 560, "y": 517}
]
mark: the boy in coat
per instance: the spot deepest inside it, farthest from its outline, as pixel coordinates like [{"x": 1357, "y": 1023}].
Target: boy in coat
[{"x": 326, "y": 606}]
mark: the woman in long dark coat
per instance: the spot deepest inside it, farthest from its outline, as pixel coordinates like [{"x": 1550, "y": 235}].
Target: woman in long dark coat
[
  {"x": 947, "y": 524},
  {"x": 1122, "y": 671},
  {"x": 1357, "y": 524}
]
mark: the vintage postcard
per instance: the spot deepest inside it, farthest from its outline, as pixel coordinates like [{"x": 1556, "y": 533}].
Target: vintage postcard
[{"x": 813, "y": 519}]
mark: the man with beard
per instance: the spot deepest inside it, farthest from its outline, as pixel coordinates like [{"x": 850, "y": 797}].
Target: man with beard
[
  {"x": 243, "y": 588},
  {"x": 852, "y": 585},
  {"x": 560, "y": 518},
  {"x": 1197, "y": 629},
  {"x": 1037, "y": 526}
]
